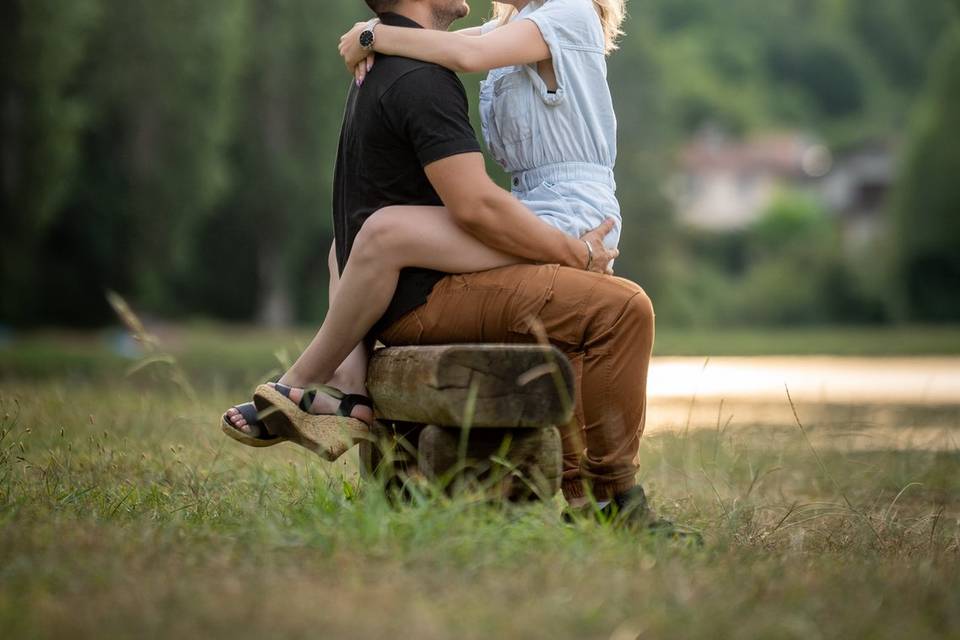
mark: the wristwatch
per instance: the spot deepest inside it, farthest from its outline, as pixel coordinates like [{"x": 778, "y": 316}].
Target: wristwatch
[{"x": 367, "y": 37}]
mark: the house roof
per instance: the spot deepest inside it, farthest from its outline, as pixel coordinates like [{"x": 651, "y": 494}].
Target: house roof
[{"x": 778, "y": 153}]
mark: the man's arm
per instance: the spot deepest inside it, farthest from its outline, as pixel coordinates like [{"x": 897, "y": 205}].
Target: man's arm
[
  {"x": 428, "y": 107},
  {"x": 496, "y": 218}
]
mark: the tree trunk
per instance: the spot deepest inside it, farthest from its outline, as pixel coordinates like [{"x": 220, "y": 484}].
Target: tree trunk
[{"x": 275, "y": 302}]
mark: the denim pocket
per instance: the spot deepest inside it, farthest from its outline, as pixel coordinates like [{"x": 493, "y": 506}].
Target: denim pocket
[
  {"x": 512, "y": 107},
  {"x": 554, "y": 200}
]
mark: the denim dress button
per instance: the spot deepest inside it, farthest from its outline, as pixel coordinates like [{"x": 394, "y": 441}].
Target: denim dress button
[{"x": 516, "y": 182}]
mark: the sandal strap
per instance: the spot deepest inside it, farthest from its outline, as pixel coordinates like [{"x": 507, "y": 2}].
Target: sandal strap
[
  {"x": 282, "y": 389},
  {"x": 252, "y": 417},
  {"x": 249, "y": 412},
  {"x": 350, "y": 401},
  {"x": 306, "y": 400}
]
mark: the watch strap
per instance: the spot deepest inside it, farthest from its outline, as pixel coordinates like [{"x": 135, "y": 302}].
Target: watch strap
[{"x": 369, "y": 35}]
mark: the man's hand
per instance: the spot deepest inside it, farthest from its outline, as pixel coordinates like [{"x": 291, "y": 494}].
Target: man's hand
[
  {"x": 357, "y": 60},
  {"x": 502, "y": 222},
  {"x": 602, "y": 256}
]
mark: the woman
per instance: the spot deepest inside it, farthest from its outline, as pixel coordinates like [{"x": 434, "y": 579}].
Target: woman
[{"x": 547, "y": 118}]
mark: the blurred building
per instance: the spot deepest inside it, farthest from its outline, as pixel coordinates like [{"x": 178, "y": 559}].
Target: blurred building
[
  {"x": 856, "y": 191},
  {"x": 724, "y": 184}
]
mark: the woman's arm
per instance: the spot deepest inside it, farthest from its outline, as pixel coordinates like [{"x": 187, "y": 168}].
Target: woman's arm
[{"x": 518, "y": 42}]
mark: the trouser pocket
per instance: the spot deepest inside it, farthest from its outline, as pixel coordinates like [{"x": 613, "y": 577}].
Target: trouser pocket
[{"x": 526, "y": 306}]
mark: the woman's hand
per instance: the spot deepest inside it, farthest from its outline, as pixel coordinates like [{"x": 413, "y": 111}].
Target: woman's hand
[
  {"x": 357, "y": 60},
  {"x": 602, "y": 256}
]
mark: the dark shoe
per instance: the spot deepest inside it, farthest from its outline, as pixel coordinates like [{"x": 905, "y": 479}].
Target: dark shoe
[{"x": 631, "y": 510}]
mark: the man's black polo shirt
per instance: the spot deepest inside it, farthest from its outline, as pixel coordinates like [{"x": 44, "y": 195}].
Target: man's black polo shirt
[{"x": 406, "y": 115}]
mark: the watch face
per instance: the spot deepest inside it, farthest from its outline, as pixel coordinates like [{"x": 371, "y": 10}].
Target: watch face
[{"x": 366, "y": 39}]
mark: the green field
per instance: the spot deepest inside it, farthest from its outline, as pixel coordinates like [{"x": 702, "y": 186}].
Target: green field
[{"x": 125, "y": 513}]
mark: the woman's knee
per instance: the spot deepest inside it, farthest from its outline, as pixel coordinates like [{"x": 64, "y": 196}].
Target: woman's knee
[{"x": 378, "y": 237}]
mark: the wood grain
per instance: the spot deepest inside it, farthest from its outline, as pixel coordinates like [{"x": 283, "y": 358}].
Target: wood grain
[{"x": 512, "y": 385}]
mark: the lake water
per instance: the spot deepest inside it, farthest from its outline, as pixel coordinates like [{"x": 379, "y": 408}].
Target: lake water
[{"x": 860, "y": 403}]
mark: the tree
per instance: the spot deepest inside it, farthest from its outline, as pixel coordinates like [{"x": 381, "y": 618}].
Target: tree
[
  {"x": 927, "y": 199},
  {"x": 43, "y": 115},
  {"x": 898, "y": 36},
  {"x": 641, "y": 107},
  {"x": 164, "y": 77},
  {"x": 182, "y": 152},
  {"x": 291, "y": 104}
]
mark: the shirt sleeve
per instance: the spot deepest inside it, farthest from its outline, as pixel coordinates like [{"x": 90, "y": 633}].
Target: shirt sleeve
[
  {"x": 428, "y": 108},
  {"x": 489, "y": 26},
  {"x": 567, "y": 25},
  {"x": 569, "y": 22}
]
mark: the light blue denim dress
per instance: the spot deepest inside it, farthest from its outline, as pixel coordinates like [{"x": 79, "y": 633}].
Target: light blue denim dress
[{"x": 559, "y": 148}]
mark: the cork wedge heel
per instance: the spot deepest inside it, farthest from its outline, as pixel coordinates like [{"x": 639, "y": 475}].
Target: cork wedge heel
[{"x": 328, "y": 436}]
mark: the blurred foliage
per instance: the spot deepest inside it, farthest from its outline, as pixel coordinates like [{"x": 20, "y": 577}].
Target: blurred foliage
[
  {"x": 793, "y": 250},
  {"x": 928, "y": 202},
  {"x": 41, "y": 121},
  {"x": 182, "y": 153},
  {"x": 788, "y": 268}
]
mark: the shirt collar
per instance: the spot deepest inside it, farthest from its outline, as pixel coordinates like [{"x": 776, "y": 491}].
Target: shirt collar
[{"x": 396, "y": 20}]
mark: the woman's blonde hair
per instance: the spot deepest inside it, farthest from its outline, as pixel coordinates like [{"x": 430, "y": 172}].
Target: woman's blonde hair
[{"x": 611, "y": 12}]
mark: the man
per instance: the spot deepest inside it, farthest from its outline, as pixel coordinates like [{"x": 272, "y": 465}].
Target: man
[{"x": 424, "y": 151}]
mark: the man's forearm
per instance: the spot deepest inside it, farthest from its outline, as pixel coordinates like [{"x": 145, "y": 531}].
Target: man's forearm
[
  {"x": 495, "y": 217},
  {"x": 503, "y": 222}
]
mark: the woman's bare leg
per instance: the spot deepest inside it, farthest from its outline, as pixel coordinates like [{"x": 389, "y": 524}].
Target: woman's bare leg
[
  {"x": 350, "y": 377},
  {"x": 391, "y": 239}
]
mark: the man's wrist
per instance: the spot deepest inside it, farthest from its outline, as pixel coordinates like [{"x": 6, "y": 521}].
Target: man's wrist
[
  {"x": 579, "y": 254},
  {"x": 589, "y": 255}
]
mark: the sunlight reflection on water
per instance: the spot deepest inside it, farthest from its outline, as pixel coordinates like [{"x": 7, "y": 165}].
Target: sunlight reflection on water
[
  {"x": 810, "y": 379},
  {"x": 851, "y": 403}
]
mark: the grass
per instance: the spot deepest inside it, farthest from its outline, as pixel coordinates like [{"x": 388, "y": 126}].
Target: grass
[
  {"x": 125, "y": 513},
  {"x": 232, "y": 356},
  {"x": 836, "y": 341}
]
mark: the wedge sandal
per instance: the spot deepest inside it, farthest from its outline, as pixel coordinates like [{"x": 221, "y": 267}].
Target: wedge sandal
[
  {"x": 252, "y": 417},
  {"x": 329, "y": 436}
]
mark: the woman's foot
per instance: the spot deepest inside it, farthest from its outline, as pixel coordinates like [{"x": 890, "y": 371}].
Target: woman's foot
[
  {"x": 254, "y": 430},
  {"x": 246, "y": 419},
  {"x": 329, "y": 434},
  {"x": 249, "y": 424},
  {"x": 325, "y": 404}
]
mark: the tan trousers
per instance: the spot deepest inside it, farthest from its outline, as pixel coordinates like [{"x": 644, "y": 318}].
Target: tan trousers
[{"x": 605, "y": 326}]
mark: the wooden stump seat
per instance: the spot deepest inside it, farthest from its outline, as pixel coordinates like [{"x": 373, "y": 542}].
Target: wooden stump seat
[{"x": 471, "y": 414}]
